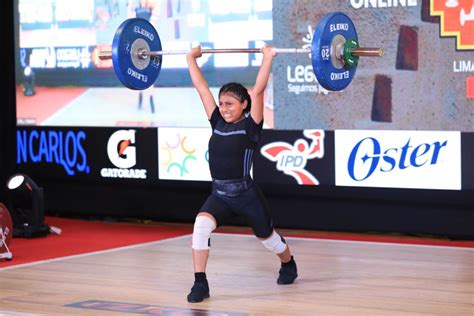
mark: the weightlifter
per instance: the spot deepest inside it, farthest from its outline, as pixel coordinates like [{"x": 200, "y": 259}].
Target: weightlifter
[{"x": 236, "y": 123}]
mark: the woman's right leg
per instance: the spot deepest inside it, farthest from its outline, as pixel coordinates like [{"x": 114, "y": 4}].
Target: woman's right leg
[{"x": 203, "y": 226}]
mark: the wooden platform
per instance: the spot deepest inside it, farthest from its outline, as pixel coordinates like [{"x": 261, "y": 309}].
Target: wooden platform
[{"x": 335, "y": 278}]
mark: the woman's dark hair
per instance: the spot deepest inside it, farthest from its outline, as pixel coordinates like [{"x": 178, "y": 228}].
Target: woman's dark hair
[{"x": 238, "y": 91}]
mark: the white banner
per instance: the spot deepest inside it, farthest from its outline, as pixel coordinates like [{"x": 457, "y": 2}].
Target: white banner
[
  {"x": 398, "y": 159},
  {"x": 182, "y": 153}
]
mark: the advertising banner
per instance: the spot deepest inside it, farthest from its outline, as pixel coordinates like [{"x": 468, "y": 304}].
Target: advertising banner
[
  {"x": 398, "y": 159},
  {"x": 182, "y": 153},
  {"x": 130, "y": 154},
  {"x": 295, "y": 157},
  {"x": 88, "y": 153}
]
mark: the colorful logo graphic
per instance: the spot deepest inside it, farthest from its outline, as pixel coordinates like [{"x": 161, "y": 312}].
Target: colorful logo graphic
[
  {"x": 179, "y": 144},
  {"x": 183, "y": 153},
  {"x": 292, "y": 159},
  {"x": 457, "y": 19}
]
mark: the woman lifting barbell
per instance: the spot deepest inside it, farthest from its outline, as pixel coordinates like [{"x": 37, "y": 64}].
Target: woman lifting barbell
[{"x": 237, "y": 124}]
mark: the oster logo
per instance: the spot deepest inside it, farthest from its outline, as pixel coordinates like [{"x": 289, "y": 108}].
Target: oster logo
[
  {"x": 399, "y": 159},
  {"x": 291, "y": 159},
  {"x": 457, "y": 19},
  {"x": 183, "y": 153},
  {"x": 122, "y": 154}
]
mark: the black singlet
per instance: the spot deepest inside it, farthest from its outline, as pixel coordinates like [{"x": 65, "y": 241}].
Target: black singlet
[{"x": 231, "y": 146}]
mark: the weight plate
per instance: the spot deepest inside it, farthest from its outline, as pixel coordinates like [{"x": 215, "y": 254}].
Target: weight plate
[
  {"x": 332, "y": 77},
  {"x": 131, "y": 37}
]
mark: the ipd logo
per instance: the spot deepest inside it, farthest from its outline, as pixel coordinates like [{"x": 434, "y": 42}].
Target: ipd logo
[{"x": 292, "y": 159}]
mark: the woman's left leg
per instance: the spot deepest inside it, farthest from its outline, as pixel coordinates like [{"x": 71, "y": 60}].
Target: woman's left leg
[
  {"x": 288, "y": 270},
  {"x": 258, "y": 215}
]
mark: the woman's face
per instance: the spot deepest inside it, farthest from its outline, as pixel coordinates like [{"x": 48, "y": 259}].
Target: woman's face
[{"x": 231, "y": 109}]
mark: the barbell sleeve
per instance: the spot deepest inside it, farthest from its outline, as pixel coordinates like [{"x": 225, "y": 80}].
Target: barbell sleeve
[
  {"x": 104, "y": 55},
  {"x": 367, "y": 52}
]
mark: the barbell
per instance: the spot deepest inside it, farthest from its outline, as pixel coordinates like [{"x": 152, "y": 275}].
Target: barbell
[{"x": 137, "y": 53}]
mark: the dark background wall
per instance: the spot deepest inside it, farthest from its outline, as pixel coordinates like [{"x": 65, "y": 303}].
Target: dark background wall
[
  {"x": 446, "y": 214},
  {"x": 427, "y": 212},
  {"x": 7, "y": 99}
]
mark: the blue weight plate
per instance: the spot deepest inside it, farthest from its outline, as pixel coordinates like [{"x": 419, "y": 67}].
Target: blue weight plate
[
  {"x": 328, "y": 75},
  {"x": 130, "y": 33}
]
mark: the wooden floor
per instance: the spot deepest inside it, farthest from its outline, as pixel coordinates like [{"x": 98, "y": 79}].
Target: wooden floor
[{"x": 335, "y": 278}]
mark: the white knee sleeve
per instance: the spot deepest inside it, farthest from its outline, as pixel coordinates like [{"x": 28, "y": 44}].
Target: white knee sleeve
[
  {"x": 274, "y": 243},
  {"x": 203, "y": 226}
]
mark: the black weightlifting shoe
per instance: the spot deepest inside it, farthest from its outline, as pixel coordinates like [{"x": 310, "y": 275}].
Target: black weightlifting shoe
[
  {"x": 288, "y": 272},
  {"x": 199, "y": 292}
]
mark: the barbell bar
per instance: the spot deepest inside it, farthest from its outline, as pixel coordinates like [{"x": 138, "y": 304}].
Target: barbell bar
[
  {"x": 367, "y": 52},
  {"x": 137, "y": 54}
]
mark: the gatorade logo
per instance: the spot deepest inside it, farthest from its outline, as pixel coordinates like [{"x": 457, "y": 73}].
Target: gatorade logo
[
  {"x": 119, "y": 149},
  {"x": 123, "y": 155},
  {"x": 292, "y": 159},
  {"x": 456, "y": 19}
]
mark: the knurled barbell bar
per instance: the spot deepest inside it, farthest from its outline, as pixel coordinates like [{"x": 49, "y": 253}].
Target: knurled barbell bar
[
  {"x": 144, "y": 54},
  {"x": 137, "y": 54}
]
